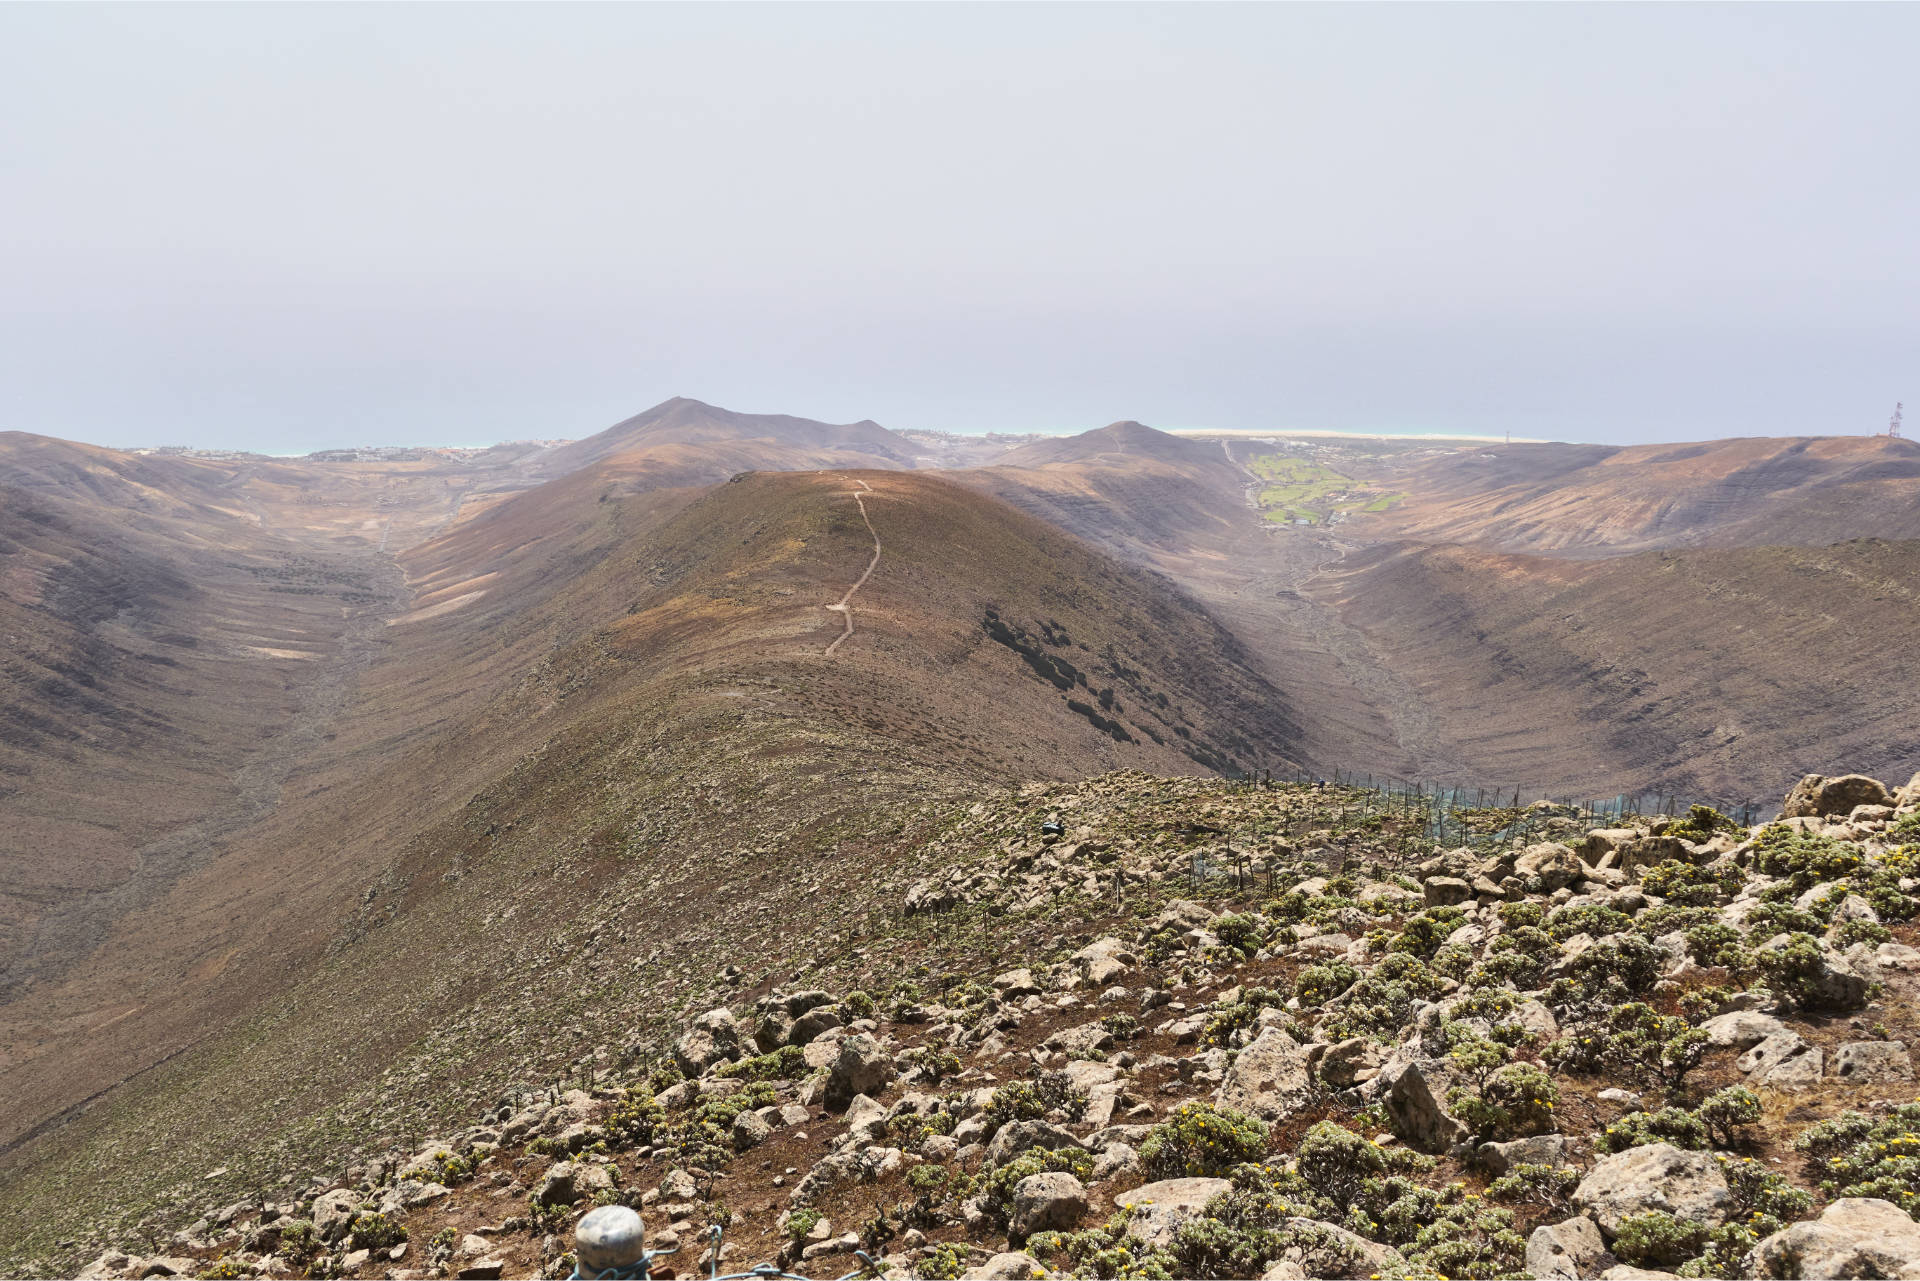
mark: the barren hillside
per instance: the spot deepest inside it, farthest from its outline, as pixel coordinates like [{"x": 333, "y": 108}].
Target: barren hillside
[{"x": 634, "y": 693}]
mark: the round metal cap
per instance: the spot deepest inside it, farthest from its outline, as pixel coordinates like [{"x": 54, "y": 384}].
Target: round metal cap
[{"x": 609, "y": 1237}]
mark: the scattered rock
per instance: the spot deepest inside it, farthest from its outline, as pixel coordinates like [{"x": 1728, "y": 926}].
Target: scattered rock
[
  {"x": 1015, "y": 984},
  {"x": 1784, "y": 1062},
  {"x": 1551, "y": 864},
  {"x": 1015, "y": 1265},
  {"x": 1016, "y": 1137},
  {"x": 1853, "y": 1237},
  {"x": 1348, "y": 1063},
  {"x": 862, "y": 1066},
  {"x": 1269, "y": 1079},
  {"x": 1087, "y": 1038},
  {"x": 1567, "y": 1251},
  {"x": 567, "y": 1182},
  {"x": 811, "y": 1026},
  {"x": 1540, "y": 1149},
  {"x": 333, "y": 1213},
  {"x": 1416, "y": 1115},
  {"x": 1820, "y": 796},
  {"x": 713, "y": 1038},
  {"x": 1160, "y": 1208},
  {"x": 1445, "y": 891},
  {"x": 1654, "y": 1176},
  {"x": 1856, "y": 1062},
  {"x": 1742, "y": 1029},
  {"x": 750, "y": 1130},
  {"x": 1054, "y": 1201}
]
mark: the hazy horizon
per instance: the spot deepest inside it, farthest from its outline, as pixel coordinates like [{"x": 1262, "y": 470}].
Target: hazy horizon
[{"x": 289, "y": 228}]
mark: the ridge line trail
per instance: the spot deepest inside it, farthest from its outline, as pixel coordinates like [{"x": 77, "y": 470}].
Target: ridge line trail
[{"x": 845, "y": 603}]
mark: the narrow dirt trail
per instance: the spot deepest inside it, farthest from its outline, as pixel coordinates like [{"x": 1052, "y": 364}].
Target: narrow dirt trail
[{"x": 845, "y": 605}]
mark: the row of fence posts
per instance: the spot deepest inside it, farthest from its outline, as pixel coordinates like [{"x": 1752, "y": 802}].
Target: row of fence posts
[{"x": 1390, "y": 796}]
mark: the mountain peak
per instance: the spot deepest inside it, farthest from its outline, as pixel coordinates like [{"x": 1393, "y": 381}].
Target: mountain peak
[
  {"x": 682, "y": 420},
  {"x": 1124, "y": 437}
]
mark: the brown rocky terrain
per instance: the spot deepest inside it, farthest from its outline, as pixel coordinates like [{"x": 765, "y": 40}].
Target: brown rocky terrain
[
  {"x": 1607, "y": 500},
  {"x": 434, "y": 776},
  {"x": 1752, "y": 648},
  {"x": 591, "y": 712},
  {"x": 1663, "y": 1047}
]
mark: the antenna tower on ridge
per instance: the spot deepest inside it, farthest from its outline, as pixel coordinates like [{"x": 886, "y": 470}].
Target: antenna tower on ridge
[{"x": 1893, "y": 428}]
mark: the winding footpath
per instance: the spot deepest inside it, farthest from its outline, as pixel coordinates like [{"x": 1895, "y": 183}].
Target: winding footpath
[{"x": 845, "y": 605}]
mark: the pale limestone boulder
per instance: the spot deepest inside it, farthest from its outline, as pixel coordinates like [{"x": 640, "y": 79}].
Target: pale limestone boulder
[
  {"x": 1819, "y": 796},
  {"x": 1568, "y": 1251},
  {"x": 1857, "y": 1062},
  {"x": 1413, "y": 1110},
  {"x": 1160, "y": 1208},
  {"x": 1654, "y": 1176},
  {"x": 1270, "y": 1078},
  {"x": 1054, "y": 1201},
  {"x": 1014, "y": 1265},
  {"x": 1853, "y": 1237}
]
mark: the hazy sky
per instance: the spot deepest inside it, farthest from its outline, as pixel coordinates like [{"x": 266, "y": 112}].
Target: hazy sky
[{"x": 287, "y": 227}]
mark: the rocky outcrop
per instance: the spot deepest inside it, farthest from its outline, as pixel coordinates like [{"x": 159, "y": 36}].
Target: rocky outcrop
[
  {"x": 713, "y": 1038},
  {"x": 1269, "y": 1079},
  {"x": 1158, "y": 1209},
  {"x": 1041, "y": 1202},
  {"x": 1568, "y": 1251},
  {"x": 1414, "y": 1112},
  {"x": 1853, "y": 1237},
  {"x": 860, "y": 1066},
  {"x": 1654, "y": 1176},
  {"x": 1817, "y": 796}
]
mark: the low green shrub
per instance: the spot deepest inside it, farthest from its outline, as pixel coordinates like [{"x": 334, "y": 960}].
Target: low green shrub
[
  {"x": 1549, "y": 1187},
  {"x": 1795, "y": 970},
  {"x": 1727, "y": 1113},
  {"x": 1847, "y": 933},
  {"x": 1033, "y": 1100},
  {"x": 1228, "y": 1019},
  {"x": 1701, "y": 824},
  {"x": 1381, "y": 1003},
  {"x": 783, "y": 1064},
  {"x": 635, "y": 1120},
  {"x": 1633, "y": 1041},
  {"x": 1199, "y": 1139},
  {"x": 1517, "y": 1100},
  {"x": 1586, "y": 918},
  {"x": 1805, "y": 859},
  {"x": 1855, "y": 1155},
  {"x": 937, "y": 1061},
  {"x": 1611, "y": 972},
  {"x": 944, "y": 1261},
  {"x": 1677, "y": 1126},
  {"x": 1104, "y": 1251},
  {"x": 1657, "y": 1239},
  {"x": 375, "y": 1232},
  {"x": 1244, "y": 932},
  {"x": 1717, "y": 943},
  {"x": 1317, "y": 984},
  {"x": 1690, "y": 885},
  {"x": 1337, "y": 1165},
  {"x": 1421, "y": 934}
]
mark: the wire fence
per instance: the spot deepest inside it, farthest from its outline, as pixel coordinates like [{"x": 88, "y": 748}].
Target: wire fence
[{"x": 1453, "y": 815}]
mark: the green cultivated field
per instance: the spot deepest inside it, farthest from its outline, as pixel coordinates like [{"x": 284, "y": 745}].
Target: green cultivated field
[{"x": 1297, "y": 489}]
